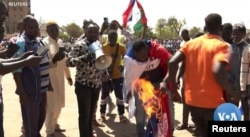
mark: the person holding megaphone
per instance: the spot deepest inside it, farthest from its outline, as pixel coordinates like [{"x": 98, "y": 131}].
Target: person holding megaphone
[{"x": 89, "y": 61}]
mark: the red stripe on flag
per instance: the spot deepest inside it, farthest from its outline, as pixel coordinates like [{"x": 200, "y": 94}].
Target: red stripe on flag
[
  {"x": 143, "y": 16},
  {"x": 127, "y": 12}
]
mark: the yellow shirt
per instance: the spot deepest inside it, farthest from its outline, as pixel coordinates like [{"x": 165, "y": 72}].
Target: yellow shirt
[
  {"x": 120, "y": 39},
  {"x": 108, "y": 50}
]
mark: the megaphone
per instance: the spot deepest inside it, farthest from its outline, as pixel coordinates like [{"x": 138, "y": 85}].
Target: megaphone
[{"x": 102, "y": 61}]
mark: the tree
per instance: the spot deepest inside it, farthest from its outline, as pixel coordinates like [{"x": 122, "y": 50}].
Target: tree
[
  {"x": 160, "y": 27},
  {"x": 194, "y": 30},
  {"x": 175, "y": 26},
  {"x": 73, "y": 30},
  {"x": 41, "y": 21},
  {"x": 169, "y": 29},
  {"x": 63, "y": 35}
]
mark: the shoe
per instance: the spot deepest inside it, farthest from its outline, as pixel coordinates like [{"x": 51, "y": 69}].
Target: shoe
[
  {"x": 123, "y": 119},
  {"x": 97, "y": 123},
  {"x": 103, "y": 117},
  {"x": 58, "y": 129},
  {"x": 182, "y": 127},
  {"x": 50, "y": 135},
  {"x": 191, "y": 126},
  {"x": 22, "y": 129},
  {"x": 195, "y": 133}
]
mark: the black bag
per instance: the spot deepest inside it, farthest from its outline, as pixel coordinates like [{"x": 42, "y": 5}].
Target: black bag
[{"x": 109, "y": 71}]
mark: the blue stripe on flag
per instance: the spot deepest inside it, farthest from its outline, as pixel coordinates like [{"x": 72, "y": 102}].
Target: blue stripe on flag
[
  {"x": 130, "y": 18},
  {"x": 132, "y": 2}
]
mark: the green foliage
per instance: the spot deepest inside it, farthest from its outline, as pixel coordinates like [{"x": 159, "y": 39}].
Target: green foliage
[
  {"x": 193, "y": 31},
  {"x": 169, "y": 29},
  {"x": 73, "y": 30},
  {"x": 63, "y": 35},
  {"x": 137, "y": 34}
]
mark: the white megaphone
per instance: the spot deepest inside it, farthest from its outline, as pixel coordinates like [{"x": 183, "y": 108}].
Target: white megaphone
[{"x": 102, "y": 61}]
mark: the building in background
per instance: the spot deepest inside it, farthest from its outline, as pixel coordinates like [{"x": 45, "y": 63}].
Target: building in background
[{"x": 17, "y": 10}]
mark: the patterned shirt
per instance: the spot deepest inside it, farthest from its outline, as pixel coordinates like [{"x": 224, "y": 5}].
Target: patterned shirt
[{"x": 86, "y": 72}]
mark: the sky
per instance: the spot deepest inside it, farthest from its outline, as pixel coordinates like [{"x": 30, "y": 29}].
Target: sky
[{"x": 193, "y": 11}]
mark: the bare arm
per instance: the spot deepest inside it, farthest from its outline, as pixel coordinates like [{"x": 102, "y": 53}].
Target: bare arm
[
  {"x": 180, "y": 72},
  {"x": 144, "y": 33},
  {"x": 171, "y": 75},
  {"x": 9, "y": 60},
  {"x": 7, "y": 67},
  {"x": 220, "y": 72},
  {"x": 173, "y": 67}
]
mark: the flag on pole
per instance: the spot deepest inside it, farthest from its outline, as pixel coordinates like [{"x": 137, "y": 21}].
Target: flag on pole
[
  {"x": 128, "y": 14},
  {"x": 142, "y": 19}
]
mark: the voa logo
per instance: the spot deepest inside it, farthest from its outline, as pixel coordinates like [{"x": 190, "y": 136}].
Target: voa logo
[{"x": 227, "y": 112}]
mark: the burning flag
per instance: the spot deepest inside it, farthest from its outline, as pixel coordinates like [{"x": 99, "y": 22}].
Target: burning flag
[
  {"x": 146, "y": 93},
  {"x": 156, "y": 106}
]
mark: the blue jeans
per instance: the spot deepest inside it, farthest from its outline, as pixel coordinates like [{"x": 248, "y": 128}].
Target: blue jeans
[{"x": 140, "y": 116}]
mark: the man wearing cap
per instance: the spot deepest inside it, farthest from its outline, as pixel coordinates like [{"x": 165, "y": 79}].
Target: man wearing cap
[{"x": 57, "y": 72}]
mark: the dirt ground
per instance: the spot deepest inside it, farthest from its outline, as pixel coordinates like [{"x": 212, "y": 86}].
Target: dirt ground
[{"x": 69, "y": 116}]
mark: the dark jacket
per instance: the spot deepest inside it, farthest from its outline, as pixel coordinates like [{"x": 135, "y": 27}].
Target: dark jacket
[{"x": 235, "y": 64}]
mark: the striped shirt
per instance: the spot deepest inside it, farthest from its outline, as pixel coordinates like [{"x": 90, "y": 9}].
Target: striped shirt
[
  {"x": 44, "y": 71},
  {"x": 26, "y": 45}
]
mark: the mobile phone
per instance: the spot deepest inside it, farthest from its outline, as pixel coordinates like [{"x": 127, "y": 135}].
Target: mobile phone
[
  {"x": 12, "y": 49},
  {"x": 41, "y": 51},
  {"x": 106, "y": 20}
]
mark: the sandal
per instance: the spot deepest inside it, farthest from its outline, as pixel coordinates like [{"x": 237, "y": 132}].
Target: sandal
[
  {"x": 103, "y": 118},
  {"x": 97, "y": 123},
  {"x": 123, "y": 119}
]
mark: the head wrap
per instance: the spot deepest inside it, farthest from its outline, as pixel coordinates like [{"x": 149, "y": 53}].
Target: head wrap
[{"x": 49, "y": 23}]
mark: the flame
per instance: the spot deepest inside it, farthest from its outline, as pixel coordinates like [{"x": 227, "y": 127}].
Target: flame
[{"x": 149, "y": 97}]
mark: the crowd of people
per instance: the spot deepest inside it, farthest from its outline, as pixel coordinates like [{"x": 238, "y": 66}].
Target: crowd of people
[{"x": 210, "y": 69}]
